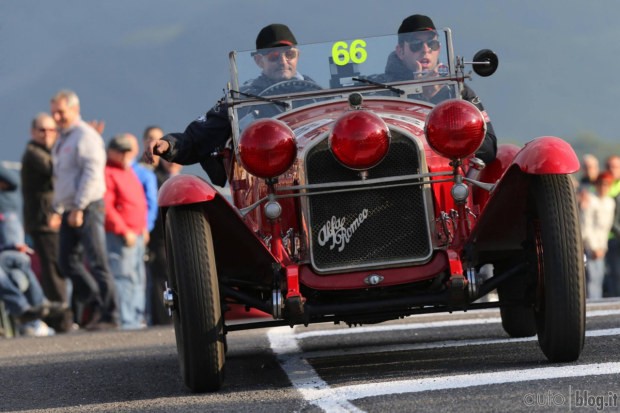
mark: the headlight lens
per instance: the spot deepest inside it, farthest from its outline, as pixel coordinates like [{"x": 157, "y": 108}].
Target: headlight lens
[
  {"x": 359, "y": 139},
  {"x": 267, "y": 148},
  {"x": 455, "y": 129}
]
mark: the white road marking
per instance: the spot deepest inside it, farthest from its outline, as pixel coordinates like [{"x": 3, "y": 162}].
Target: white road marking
[
  {"x": 284, "y": 343},
  {"x": 302, "y": 375},
  {"x": 440, "y": 344},
  {"x": 360, "y": 391},
  {"x": 431, "y": 324}
]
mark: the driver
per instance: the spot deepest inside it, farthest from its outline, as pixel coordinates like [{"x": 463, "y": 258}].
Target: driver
[
  {"x": 277, "y": 57},
  {"x": 417, "y": 57}
]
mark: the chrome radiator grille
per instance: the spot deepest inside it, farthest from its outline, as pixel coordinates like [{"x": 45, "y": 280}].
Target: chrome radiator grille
[{"x": 370, "y": 227}]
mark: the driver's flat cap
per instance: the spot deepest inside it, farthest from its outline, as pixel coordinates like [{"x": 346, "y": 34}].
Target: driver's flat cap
[
  {"x": 416, "y": 23},
  {"x": 275, "y": 35}
]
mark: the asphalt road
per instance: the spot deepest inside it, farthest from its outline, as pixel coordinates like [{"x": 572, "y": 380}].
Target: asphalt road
[{"x": 460, "y": 362}]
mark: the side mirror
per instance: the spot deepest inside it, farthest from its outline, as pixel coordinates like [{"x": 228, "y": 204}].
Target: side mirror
[{"x": 485, "y": 63}]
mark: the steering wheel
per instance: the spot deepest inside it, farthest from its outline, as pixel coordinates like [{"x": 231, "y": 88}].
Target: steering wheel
[
  {"x": 290, "y": 86},
  {"x": 280, "y": 88}
]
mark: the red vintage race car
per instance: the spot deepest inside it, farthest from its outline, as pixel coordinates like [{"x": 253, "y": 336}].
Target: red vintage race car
[{"x": 355, "y": 200}]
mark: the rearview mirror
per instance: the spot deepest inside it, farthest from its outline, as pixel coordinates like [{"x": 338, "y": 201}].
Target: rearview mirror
[{"x": 485, "y": 63}]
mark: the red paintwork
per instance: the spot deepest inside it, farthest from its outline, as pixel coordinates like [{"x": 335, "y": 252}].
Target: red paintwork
[
  {"x": 267, "y": 148},
  {"x": 185, "y": 189},
  {"x": 359, "y": 139},
  {"x": 455, "y": 264},
  {"x": 547, "y": 155},
  {"x": 494, "y": 171},
  {"x": 292, "y": 281},
  {"x": 455, "y": 129},
  {"x": 405, "y": 115},
  {"x": 392, "y": 276}
]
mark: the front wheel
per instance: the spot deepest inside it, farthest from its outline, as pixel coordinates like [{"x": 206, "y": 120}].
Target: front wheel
[
  {"x": 198, "y": 321},
  {"x": 556, "y": 260},
  {"x": 516, "y": 311}
]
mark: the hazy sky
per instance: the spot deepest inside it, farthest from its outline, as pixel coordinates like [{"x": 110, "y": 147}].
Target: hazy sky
[{"x": 140, "y": 62}]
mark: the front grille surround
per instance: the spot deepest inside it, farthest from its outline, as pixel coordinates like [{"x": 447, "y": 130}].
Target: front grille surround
[{"x": 377, "y": 228}]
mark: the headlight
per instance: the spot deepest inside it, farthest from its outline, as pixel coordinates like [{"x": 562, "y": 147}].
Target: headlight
[
  {"x": 267, "y": 148},
  {"x": 359, "y": 139},
  {"x": 455, "y": 129}
]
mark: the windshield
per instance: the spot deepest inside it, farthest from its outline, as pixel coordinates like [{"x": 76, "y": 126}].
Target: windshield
[{"x": 273, "y": 81}]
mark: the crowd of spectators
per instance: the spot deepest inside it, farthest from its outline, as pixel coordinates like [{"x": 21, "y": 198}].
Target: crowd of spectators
[
  {"x": 598, "y": 194},
  {"x": 90, "y": 221}
]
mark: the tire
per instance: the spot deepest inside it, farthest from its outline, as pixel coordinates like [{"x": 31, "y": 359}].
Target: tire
[
  {"x": 198, "y": 320},
  {"x": 518, "y": 320},
  {"x": 556, "y": 251}
]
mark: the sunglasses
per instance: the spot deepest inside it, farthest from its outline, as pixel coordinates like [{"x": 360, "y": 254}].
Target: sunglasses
[
  {"x": 47, "y": 129},
  {"x": 274, "y": 55},
  {"x": 416, "y": 45}
]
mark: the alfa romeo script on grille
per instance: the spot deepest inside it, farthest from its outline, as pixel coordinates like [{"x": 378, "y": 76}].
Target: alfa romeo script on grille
[{"x": 336, "y": 231}]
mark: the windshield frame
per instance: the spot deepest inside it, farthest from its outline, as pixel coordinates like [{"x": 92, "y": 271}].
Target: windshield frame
[{"x": 235, "y": 100}]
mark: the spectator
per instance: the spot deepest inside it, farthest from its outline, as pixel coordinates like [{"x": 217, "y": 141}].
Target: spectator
[
  {"x": 20, "y": 289},
  {"x": 587, "y": 183},
  {"x": 157, "y": 267},
  {"x": 590, "y": 171},
  {"x": 79, "y": 162},
  {"x": 148, "y": 179},
  {"x": 597, "y": 217},
  {"x": 417, "y": 56},
  {"x": 40, "y": 222},
  {"x": 125, "y": 225},
  {"x": 612, "y": 258},
  {"x": 9, "y": 205},
  {"x": 613, "y": 166},
  {"x": 277, "y": 56}
]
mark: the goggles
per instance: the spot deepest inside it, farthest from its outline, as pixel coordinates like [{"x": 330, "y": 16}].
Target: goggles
[{"x": 274, "y": 55}]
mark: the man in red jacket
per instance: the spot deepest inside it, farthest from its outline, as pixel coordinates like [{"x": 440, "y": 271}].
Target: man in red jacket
[{"x": 125, "y": 226}]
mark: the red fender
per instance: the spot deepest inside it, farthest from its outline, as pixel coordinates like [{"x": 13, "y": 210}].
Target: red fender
[
  {"x": 502, "y": 222},
  {"x": 547, "y": 155},
  {"x": 185, "y": 189},
  {"x": 239, "y": 252},
  {"x": 492, "y": 172}
]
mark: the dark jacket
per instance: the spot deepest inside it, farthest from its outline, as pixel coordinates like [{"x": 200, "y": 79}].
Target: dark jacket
[
  {"x": 37, "y": 187},
  {"x": 208, "y": 134},
  {"x": 395, "y": 70},
  {"x": 9, "y": 198}
]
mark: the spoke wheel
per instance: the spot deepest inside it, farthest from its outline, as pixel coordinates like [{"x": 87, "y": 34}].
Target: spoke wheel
[
  {"x": 556, "y": 261},
  {"x": 198, "y": 320}
]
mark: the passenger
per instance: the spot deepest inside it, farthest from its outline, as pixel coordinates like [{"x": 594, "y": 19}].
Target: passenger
[
  {"x": 417, "y": 57},
  {"x": 125, "y": 225},
  {"x": 40, "y": 222},
  {"x": 277, "y": 57},
  {"x": 79, "y": 162},
  {"x": 597, "y": 217}
]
